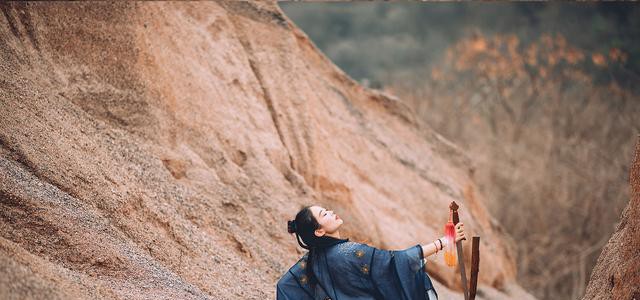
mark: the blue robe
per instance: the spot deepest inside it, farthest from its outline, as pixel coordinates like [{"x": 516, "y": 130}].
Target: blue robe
[{"x": 354, "y": 271}]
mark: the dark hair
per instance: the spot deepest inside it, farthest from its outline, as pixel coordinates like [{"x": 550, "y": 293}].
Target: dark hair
[{"x": 304, "y": 226}]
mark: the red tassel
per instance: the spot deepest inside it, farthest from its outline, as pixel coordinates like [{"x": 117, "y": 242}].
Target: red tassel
[{"x": 450, "y": 249}]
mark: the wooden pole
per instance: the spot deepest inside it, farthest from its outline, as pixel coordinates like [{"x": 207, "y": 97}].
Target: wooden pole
[{"x": 475, "y": 266}]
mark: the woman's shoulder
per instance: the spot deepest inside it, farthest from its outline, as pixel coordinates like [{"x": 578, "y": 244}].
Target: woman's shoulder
[
  {"x": 351, "y": 251},
  {"x": 346, "y": 246},
  {"x": 300, "y": 264}
]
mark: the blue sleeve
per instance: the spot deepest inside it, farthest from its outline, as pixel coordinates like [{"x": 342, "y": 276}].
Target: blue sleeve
[{"x": 399, "y": 274}]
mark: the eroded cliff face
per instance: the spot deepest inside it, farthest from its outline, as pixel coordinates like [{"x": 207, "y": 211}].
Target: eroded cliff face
[
  {"x": 617, "y": 272},
  {"x": 156, "y": 150}
]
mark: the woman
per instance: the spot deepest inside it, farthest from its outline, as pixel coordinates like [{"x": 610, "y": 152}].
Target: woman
[{"x": 337, "y": 269}]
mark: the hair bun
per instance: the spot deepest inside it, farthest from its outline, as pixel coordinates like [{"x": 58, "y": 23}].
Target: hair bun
[{"x": 291, "y": 226}]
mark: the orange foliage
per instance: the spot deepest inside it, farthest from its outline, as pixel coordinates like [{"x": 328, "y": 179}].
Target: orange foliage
[
  {"x": 598, "y": 59},
  {"x": 616, "y": 54}
]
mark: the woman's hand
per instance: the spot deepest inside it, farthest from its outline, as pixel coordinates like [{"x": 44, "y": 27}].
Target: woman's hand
[{"x": 459, "y": 232}]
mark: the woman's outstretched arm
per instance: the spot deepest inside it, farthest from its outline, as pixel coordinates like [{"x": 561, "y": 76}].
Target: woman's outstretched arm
[{"x": 439, "y": 244}]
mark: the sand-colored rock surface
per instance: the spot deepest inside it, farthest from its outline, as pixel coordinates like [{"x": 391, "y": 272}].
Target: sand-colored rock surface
[
  {"x": 156, "y": 150},
  {"x": 617, "y": 272}
]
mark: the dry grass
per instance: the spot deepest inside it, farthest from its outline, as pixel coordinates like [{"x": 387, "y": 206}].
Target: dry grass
[{"x": 552, "y": 132}]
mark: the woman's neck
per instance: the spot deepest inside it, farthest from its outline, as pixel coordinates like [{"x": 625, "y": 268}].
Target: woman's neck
[{"x": 334, "y": 235}]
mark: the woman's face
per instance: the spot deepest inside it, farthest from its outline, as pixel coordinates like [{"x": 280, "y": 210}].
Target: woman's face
[{"x": 329, "y": 221}]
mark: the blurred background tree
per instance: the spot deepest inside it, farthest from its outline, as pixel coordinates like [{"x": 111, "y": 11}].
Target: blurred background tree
[
  {"x": 378, "y": 41},
  {"x": 543, "y": 96}
]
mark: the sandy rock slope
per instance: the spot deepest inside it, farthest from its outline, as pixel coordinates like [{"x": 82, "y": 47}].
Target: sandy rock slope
[{"x": 156, "y": 150}]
